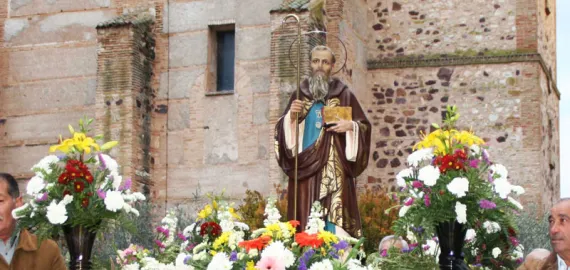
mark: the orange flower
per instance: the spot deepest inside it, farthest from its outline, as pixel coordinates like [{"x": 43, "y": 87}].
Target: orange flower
[
  {"x": 258, "y": 243},
  {"x": 294, "y": 223},
  {"x": 308, "y": 240}
]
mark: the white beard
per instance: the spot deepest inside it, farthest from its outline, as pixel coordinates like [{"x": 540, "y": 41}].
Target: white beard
[{"x": 319, "y": 86}]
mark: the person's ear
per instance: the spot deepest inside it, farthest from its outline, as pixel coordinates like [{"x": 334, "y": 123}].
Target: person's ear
[{"x": 19, "y": 201}]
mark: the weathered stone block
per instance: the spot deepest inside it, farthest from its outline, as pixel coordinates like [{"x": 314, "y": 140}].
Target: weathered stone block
[
  {"x": 31, "y": 7},
  {"x": 46, "y": 95},
  {"x": 188, "y": 50},
  {"x": 260, "y": 110},
  {"x": 260, "y": 8},
  {"x": 19, "y": 160},
  {"x": 40, "y": 127},
  {"x": 53, "y": 63},
  {"x": 181, "y": 83},
  {"x": 197, "y": 15},
  {"x": 178, "y": 116},
  {"x": 253, "y": 43},
  {"x": 220, "y": 138}
]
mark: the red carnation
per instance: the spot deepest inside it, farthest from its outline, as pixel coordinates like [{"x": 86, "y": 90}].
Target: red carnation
[
  {"x": 78, "y": 186},
  {"x": 85, "y": 202},
  {"x": 63, "y": 179},
  {"x": 210, "y": 228}
]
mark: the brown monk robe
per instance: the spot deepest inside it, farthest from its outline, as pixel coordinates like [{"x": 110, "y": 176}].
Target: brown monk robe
[{"x": 324, "y": 173}]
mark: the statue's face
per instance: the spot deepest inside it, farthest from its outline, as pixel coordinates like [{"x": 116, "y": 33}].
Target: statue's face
[{"x": 321, "y": 62}]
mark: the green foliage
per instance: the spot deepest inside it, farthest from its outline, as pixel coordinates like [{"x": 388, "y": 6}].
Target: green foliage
[
  {"x": 376, "y": 223},
  {"x": 533, "y": 229}
]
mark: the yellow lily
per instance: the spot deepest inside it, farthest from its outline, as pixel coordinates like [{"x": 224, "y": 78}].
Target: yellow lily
[{"x": 80, "y": 142}]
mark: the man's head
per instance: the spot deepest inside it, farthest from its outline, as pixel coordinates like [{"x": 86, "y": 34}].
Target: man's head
[
  {"x": 559, "y": 232},
  {"x": 322, "y": 62},
  {"x": 9, "y": 200},
  {"x": 390, "y": 241}
]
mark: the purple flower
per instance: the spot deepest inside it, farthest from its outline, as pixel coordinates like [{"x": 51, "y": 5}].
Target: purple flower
[
  {"x": 127, "y": 184},
  {"x": 333, "y": 254},
  {"x": 233, "y": 256},
  {"x": 474, "y": 163},
  {"x": 181, "y": 236},
  {"x": 44, "y": 197},
  {"x": 486, "y": 204},
  {"x": 305, "y": 258},
  {"x": 102, "y": 161},
  {"x": 409, "y": 201},
  {"x": 514, "y": 241},
  {"x": 187, "y": 259},
  {"x": 340, "y": 245},
  {"x": 427, "y": 201},
  {"x": 417, "y": 184},
  {"x": 160, "y": 229},
  {"x": 485, "y": 155},
  {"x": 102, "y": 194},
  {"x": 159, "y": 243},
  {"x": 384, "y": 253},
  {"x": 412, "y": 245},
  {"x": 519, "y": 261},
  {"x": 406, "y": 250},
  {"x": 490, "y": 178}
]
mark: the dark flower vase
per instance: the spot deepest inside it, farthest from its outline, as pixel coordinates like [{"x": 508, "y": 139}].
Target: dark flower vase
[
  {"x": 80, "y": 245},
  {"x": 451, "y": 236}
]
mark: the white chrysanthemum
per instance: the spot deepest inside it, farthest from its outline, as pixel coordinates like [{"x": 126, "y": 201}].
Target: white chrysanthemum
[
  {"x": 220, "y": 261},
  {"x": 117, "y": 180},
  {"x": 502, "y": 187},
  {"x": 431, "y": 248},
  {"x": 56, "y": 213},
  {"x": 415, "y": 158},
  {"x": 110, "y": 163},
  {"x": 403, "y": 210},
  {"x": 496, "y": 252},
  {"x": 322, "y": 265},
  {"x": 400, "y": 181},
  {"x": 499, "y": 170},
  {"x": 429, "y": 175},
  {"x": 461, "y": 211},
  {"x": 475, "y": 251},
  {"x": 278, "y": 250},
  {"x": 470, "y": 235},
  {"x": 458, "y": 186},
  {"x": 518, "y": 252},
  {"x": 45, "y": 163},
  {"x": 491, "y": 226},
  {"x": 114, "y": 201},
  {"x": 16, "y": 213},
  {"x": 474, "y": 150},
  {"x": 518, "y": 190},
  {"x": 35, "y": 185},
  {"x": 241, "y": 226},
  {"x": 515, "y": 203},
  {"x": 132, "y": 266},
  {"x": 415, "y": 194},
  {"x": 67, "y": 200}
]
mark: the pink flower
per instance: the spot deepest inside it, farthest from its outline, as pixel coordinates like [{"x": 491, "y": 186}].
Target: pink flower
[
  {"x": 427, "y": 201},
  {"x": 474, "y": 163},
  {"x": 417, "y": 184},
  {"x": 409, "y": 201},
  {"x": 270, "y": 263}
]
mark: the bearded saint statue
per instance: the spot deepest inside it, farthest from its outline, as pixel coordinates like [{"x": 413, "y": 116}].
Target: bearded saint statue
[{"x": 330, "y": 158}]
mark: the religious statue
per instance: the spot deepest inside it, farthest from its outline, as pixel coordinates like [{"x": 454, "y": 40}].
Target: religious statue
[{"x": 331, "y": 154}]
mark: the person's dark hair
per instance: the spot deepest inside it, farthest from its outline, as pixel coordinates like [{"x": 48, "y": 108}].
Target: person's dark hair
[{"x": 13, "y": 189}]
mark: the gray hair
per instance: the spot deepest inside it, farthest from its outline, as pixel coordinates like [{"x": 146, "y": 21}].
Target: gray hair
[
  {"x": 391, "y": 237},
  {"x": 322, "y": 48}
]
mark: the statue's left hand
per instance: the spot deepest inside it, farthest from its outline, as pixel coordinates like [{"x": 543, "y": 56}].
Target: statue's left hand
[{"x": 341, "y": 126}]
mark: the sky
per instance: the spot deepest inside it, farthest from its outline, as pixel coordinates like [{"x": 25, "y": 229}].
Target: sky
[{"x": 563, "y": 81}]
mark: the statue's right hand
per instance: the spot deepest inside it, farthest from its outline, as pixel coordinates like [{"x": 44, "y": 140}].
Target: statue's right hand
[{"x": 296, "y": 107}]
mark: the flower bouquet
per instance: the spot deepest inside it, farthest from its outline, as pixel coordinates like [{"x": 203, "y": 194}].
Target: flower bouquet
[
  {"x": 218, "y": 240},
  {"x": 78, "y": 193},
  {"x": 453, "y": 191}
]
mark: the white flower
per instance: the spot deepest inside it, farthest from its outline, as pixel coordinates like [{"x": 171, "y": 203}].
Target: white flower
[
  {"x": 322, "y": 265},
  {"x": 474, "y": 150},
  {"x": 188, "y": 230},
  {"x": 15, "y": 212},
  {"x": 110, "y": 163},
  {"x": 354, "y": 264},
  {"x": 241, "y": 226},
  {"x": 515, "y": 203},
  {"x": 431, "y": 248},
  {"x": 35, "y": 185},
  {"x": 470, "y": 235},
  {"x": 415, "y": 194},
  {"x": 45, "y": 162},
  {"x": 474, "y": 252},
  {"x": 117, "y": 179},
  {"x": 496, "y": 252},
  {"x": 403, "y": 210},
  {"x": 132, "y": 266},
  {"x": 461, "y": 211},
  {"x": 401, "y": 175},
  {"x": 315, "y": 223},
  {"x": 415, "y": 158},
  {"x": 429, "y": 175},
  {"x": 278, "y": 250},
  {"x": 518, "y": 190},
  {"x": 220, "y": 261},
  {"x": 458, "y": 186},
  {"x": 180, "y": 259},
  {"x": 56, "y": 212},
  {"x": 518, "y": 252},
  {"x": 502, "y": 187},
  {"x": 500, "y": 170},
  {"x": 114, "y": 201},
  {"x": 67, "y": 200},
  {"x": 491, "y": 226}
]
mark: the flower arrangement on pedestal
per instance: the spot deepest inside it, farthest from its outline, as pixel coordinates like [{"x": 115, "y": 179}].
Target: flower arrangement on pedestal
[
  {"x": 218, "y": 240},
  {"x": 79, "y": 193},
  {"x": 453, "y": 190}
]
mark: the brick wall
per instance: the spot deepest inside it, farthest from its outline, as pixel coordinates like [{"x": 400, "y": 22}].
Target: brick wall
[{"x": 546, "y": 33}]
